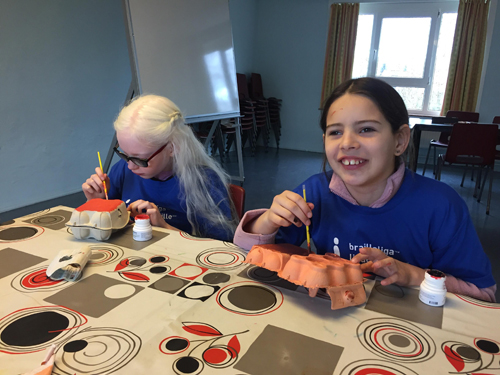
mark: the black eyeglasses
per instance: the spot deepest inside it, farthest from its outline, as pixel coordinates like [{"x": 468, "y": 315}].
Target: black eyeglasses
[{"x": 137, "y": 161}]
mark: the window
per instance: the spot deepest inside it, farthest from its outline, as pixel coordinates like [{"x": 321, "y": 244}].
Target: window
[{"x": 409, "y": 47}]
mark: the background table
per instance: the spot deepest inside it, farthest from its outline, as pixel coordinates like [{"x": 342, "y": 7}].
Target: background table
[{"x": 184, "y": 305}]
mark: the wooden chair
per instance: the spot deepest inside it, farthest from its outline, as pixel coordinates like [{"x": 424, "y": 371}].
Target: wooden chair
[
  {"x": 247, "y": 129},
  {"x": 472, "y": 144},
  {"x": 238, "y": 197},
  {"x": 442, "y": 141}
]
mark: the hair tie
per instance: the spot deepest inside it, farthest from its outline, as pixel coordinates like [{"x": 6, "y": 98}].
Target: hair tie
[{"x": 174, "y": 116}]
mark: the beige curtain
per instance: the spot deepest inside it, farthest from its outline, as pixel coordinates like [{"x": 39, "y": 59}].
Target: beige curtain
[
  {"x": 466, "y": 60},
  {"x": 340, "y": 47}
]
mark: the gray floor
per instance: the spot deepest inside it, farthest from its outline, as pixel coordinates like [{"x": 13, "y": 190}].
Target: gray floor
[{"x": 268, "y": 174}]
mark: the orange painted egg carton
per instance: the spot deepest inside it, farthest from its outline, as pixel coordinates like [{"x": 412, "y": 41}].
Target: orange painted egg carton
[{"x": 342, "y": 279}]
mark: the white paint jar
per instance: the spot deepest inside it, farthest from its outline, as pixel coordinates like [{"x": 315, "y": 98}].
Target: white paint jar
[
  {"x": 143, "y": 231},
  {"x": 433, "y": 288}
]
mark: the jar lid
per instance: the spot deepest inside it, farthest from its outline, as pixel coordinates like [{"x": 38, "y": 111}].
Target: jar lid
[
  {"x": 142, "y": 217},
  {"x": 435, "y": 278},
  {"x": 435, "y": 274}
]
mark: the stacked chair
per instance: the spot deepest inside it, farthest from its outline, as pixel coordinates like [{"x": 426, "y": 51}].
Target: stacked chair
[
  {"x": 258, "y": 115},
  {"x": 248, "y": 118},
  {"x": 268, "y": 110},
  {"x": 202, "y": 129}
]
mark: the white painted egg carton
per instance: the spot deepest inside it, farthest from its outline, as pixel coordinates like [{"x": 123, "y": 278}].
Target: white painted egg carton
[{"x": 98, "y": 218}]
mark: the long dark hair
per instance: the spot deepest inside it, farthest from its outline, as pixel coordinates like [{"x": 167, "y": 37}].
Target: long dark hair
[{"x": 383, "y": 95}]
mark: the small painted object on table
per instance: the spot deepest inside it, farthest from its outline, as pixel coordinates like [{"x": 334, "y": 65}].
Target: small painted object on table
[
  {"x": 97, "y": 218},
  {"x": 342, "y": 279}
]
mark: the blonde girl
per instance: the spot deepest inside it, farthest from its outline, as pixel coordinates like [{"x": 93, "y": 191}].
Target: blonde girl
[{"x": 165, "y": 172}]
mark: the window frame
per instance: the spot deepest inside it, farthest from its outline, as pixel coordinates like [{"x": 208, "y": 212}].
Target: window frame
[{"x": 413, "y": 10}]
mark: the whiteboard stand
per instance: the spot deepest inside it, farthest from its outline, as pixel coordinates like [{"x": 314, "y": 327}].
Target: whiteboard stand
[{"x": 239, "y": 152}]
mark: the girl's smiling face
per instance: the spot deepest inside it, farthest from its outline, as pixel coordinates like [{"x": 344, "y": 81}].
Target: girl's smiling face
[
  {"x": 160, "y": 166},
  {"x": 361, "y": 147}
]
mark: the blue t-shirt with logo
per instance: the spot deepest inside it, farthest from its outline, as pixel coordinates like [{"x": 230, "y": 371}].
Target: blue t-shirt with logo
[
  {"x": 168, "y": 197},
  {"x": 426, "y": 224}
]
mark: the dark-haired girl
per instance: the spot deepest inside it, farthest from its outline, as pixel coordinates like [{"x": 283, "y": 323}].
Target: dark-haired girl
[{"x": 369, "y": 207}]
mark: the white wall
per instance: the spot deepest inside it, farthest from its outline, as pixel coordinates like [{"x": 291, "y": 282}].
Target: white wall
[
  {"x": 243, "y": 17},
  {"x": 289, "y": 54},
  {"x": 64, "y": 72},
  {"x": 488, "y": 107}
]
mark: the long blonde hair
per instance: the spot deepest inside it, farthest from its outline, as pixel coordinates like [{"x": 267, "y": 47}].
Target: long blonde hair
[{"x": 155, "y": 120}]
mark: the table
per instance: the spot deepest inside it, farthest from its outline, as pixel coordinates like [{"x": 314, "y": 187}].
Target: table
[{"x": 183, "y": 305}]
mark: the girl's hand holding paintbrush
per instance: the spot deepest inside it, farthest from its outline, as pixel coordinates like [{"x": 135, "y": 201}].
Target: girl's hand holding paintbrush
[
  {"x": 94, "y": 187},
  {"x": 288, "y": 209}
]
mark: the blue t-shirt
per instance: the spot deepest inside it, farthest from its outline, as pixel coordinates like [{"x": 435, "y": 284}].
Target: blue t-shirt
[
  {"x": 169, "y": 198},
  {"x": 426, "y": 224}
]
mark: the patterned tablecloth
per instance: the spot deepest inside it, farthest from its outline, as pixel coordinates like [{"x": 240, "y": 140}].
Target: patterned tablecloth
[{"x": 183, "y": 305}]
